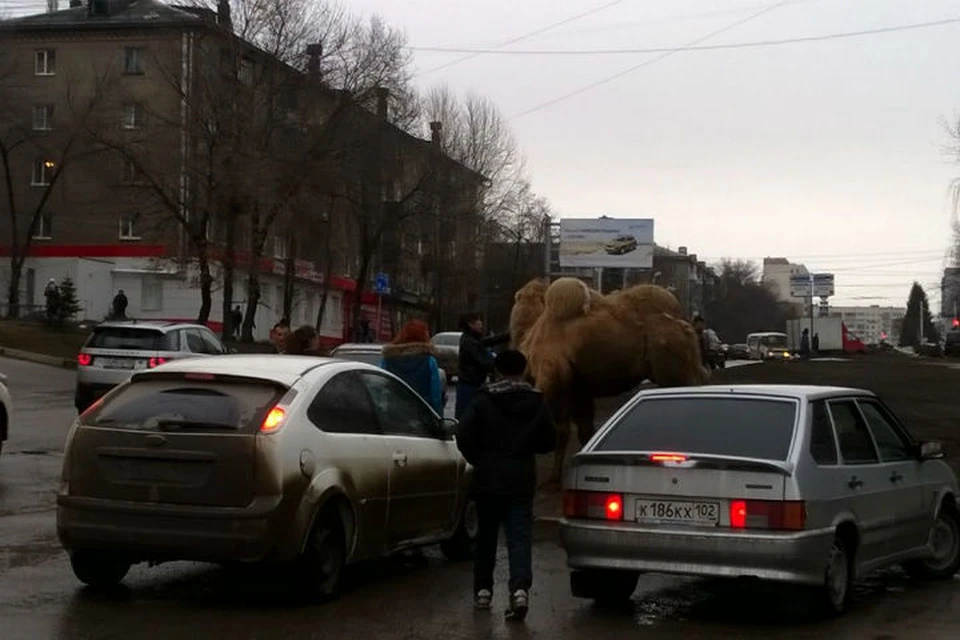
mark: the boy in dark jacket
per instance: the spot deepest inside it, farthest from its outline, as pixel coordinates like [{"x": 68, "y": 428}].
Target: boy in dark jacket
[{"x": 505, "y": 427}]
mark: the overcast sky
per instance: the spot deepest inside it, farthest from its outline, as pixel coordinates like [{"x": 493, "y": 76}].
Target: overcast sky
[{"x": 831, "y": 153}]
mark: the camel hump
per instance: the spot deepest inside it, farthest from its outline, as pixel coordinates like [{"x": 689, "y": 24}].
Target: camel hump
[{"x": 567, "y": 298}]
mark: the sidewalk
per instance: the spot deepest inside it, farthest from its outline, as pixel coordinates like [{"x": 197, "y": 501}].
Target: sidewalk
[{"x": 38, "y": 358}]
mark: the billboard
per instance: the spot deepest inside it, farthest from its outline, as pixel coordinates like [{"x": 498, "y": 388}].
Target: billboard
[
  {"x": 592, "y": 243},
  {"x": 822, "y": 285}
]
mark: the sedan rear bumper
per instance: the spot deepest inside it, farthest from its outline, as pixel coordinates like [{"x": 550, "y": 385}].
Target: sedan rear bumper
[{"x": 794, "y": 557}]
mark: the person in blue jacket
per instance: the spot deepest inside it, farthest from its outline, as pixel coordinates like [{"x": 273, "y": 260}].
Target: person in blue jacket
[{"x": 411, "y": 358}]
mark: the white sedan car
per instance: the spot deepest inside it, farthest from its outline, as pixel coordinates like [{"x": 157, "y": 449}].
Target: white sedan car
[{"x": 6, "y": 410}]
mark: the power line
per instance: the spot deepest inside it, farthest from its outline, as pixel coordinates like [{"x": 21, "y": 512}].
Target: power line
[
  {"x": 882, "y": 254},
  {"x": 651, "y": 61},
  {"x": 709, "y": 47},
  {"x": 525, "y": 36}
]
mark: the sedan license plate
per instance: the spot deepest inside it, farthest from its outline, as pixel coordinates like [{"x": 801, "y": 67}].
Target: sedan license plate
[{"x": 701, "y": 513}]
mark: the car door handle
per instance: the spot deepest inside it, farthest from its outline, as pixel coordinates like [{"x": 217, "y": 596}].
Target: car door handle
[
  {"x": 895, "y": 477},
  {"x": 855, "y": 482},
  {"x": 400, "y": 459}
]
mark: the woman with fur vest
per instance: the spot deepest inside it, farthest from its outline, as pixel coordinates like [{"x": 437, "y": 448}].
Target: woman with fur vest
[{"x": 411, "y": 358}]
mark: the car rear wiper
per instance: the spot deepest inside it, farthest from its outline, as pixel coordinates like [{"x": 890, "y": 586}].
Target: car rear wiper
[{"x": 174, "y": 425}]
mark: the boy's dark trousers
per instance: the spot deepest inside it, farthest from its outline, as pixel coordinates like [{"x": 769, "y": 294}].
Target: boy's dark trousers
[{"x": 515, "y": 513}]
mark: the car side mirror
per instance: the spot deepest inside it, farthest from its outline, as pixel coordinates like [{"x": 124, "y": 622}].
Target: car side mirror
[
  {"x": 449, "y": 427},
  {"x": 932, "y": 450}
]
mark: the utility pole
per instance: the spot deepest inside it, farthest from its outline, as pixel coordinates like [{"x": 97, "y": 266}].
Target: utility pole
[
  {"x": 812, "y": 291},
  {"x": 921, "y": 321}
]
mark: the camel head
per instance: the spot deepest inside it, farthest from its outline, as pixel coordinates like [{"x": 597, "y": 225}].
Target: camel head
[
  {"x": 568, "y": 298},
  {"x": 527, "y": 307}
]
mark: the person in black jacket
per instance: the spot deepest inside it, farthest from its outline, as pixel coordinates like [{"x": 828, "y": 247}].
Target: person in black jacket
[
  {"x": 501, "y": 432},
  {"x": 476, "y": 359}
]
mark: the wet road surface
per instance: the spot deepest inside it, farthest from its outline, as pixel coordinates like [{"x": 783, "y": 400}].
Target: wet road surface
[{"x": 413, "y": 598}]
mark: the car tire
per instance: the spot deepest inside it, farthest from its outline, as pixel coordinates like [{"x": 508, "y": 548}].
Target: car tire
[
  {"x": 833, "y": 597},
  {"x": 946, "y": 534},
  {"x": 462, "y": 545},
  {"x": 321, "y": 565},
  {"x": 99, "y": 570},
  {"x": 605, "y": 587}
]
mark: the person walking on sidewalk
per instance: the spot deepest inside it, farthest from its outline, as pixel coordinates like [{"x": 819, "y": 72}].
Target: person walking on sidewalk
[{"x": 501, "y": 432}]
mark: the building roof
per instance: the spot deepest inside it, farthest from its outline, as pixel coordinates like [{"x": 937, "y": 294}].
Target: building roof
[{"x": 138, "y": 13}]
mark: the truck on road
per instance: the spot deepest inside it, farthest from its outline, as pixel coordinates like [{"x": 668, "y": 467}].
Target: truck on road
[{"x": 834, "y": 337}]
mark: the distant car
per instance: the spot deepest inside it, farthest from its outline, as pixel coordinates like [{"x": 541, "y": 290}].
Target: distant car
[
  {"x": 815, "y": 486},
  {"x": 310, "y": 463},
  {"x": 621, "y": 245},
  {"x": 738, "y": 351},
  {"x": 370, "y": 353},
  {"x": 6, "y": 411},
  {"x": 447, "y": 344},
  {"x": 116, "y": 349},
  {"x": 951, "y": 343}
]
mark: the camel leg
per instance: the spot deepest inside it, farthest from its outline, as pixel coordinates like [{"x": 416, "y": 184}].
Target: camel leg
[
  {"x": 563, "y": 441},
  {"x": 584, "y": 417}
]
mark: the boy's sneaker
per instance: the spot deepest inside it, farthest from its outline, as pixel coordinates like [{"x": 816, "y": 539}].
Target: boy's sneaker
[
  {"x": 482, "y": 599},
  {"x": 519, "y": 604}
]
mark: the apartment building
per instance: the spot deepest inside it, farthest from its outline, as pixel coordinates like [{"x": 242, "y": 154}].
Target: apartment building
[{"x": 121, "y": 105}]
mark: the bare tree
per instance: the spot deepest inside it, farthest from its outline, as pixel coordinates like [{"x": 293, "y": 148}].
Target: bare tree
[{"x": 38, "y": 143}]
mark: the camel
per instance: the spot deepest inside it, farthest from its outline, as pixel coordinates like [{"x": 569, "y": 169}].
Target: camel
[{"x": 581, "y": 345}]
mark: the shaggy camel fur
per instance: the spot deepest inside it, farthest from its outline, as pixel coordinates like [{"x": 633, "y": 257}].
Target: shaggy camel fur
[{"x": 582, "y": 345}]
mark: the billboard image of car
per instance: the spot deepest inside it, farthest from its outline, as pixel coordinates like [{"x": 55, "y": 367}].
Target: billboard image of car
[{"x": 606, "y": 243}]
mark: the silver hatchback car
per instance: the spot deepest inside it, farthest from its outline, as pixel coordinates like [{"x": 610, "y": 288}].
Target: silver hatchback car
[
  {"x": 116, "y": 349},
  {"x": 812, "y": 486}
]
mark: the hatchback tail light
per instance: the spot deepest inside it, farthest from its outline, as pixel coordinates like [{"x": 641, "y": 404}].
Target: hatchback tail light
[
  {"x": 763, "y": 514},
  {"x": 273, "y": 420},
  {"x": 84, "y": 359},
  {"x": 593, "y": 505}
]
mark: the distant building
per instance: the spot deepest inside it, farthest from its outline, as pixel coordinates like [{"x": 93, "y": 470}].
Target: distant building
[
  {"x": 873, "y": 323},
  {"x": 776, "y": 275},
  {"x": 950, "y": 293}
]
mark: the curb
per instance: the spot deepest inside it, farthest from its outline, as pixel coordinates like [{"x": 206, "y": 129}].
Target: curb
[{"x": 38, "y": 358}]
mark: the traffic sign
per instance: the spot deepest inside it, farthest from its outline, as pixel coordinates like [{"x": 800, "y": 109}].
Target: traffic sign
[
  {"x": 381, "y": 284},
  {"x": 823, "y": 285}
]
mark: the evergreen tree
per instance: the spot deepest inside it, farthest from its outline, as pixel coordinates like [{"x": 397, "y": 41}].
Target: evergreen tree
[
  {"x": 64, "y": 305},
  {"x": 910, "y": 331}
]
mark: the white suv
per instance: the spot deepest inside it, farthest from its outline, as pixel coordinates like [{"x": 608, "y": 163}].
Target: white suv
[{"x": 116, "y": 349}]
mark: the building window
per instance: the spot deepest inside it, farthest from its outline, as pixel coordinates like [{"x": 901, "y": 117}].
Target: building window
[
  {"x": 128, "y": 226},
  {"x": 42, "y": 173},
  {"x": 45, "y": 62},
  {"x": 133, "y": 61},
  {"x": 131, "y": 172},
  {"x": 279, "y": 247},
  {"x": 44, "y": 229},
  {"x": 151, "y": 294},
  {"x": 245, "y": 74},
  {"x": 42, "y": 117},
  {"x": 132, "y": 115}
]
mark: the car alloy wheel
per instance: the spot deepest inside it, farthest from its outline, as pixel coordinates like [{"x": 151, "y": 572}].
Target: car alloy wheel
[
  {"x": 836, "y": 588},
  {"x": 945, "y": 547},
  {"x": 463, "y": 543},
  {"x": 324, "y": 559}
]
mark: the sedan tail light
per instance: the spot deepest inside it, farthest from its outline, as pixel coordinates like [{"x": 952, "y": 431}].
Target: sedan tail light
[
  {"x": 153, "y": 363},
  {"x": 593, "y": 505},
  {"x": 84, "y": 359},
  {"x": 763, "y": 514}
]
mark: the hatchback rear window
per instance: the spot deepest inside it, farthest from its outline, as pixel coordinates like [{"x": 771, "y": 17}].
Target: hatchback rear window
[
  {"x": 186, "y": 405},
  {"x": 742, "y": 427},
  {"x": 133, "y": 339}
]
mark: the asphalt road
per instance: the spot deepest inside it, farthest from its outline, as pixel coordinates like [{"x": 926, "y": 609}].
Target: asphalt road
[{"x": 411, "y": 598}]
